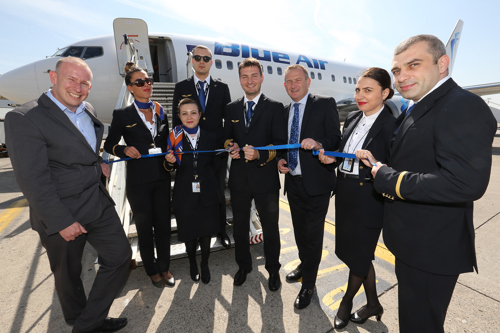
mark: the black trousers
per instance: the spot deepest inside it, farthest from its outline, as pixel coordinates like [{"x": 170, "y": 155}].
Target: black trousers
[
  {"x": 107, "y": 237},
  {"x": 220, "y": 174},
  {"x": 308, "y": 219},
  {"x": 423, "y": 299},
  {"x": 150, "y": 204},
  {"x": 267, "y": 205}
]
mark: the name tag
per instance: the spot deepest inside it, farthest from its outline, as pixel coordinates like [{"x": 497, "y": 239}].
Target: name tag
[
  {"x": 347, "y": 165},
  {"x": 154, "y": 151},
  {"x": 196, "y": 187}
]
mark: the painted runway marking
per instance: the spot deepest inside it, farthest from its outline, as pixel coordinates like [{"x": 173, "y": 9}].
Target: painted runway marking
[{"x": 11, "y": 213}]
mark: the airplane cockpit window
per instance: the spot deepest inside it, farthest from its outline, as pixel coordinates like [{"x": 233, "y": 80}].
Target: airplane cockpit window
[
  {"x": 92, "y": 52},
  {"x": 320, "y": 77},
  {"x": 269, "y": 70},
  {"x": 73, "y": 51},
  {"x": 312, "y": 75},
  {"x": 333, "y": 78},
  {"x": 218, "y": 64},
  {"x": 230, "y": 65},
  {"x": 279, "y": 71},
  {"x": 59, "y": 52}
]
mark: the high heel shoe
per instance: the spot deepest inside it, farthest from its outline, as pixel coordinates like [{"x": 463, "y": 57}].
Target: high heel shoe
[
  {"x": 339, "y": 323},
  {"x": 205, "y": 274},
  {"x": 195, "y": 274},
  {"x": 378, "y": 312},
  {"x": 168, "y": 281}
]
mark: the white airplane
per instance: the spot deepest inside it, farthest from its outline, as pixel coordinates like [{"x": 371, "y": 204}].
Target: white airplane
[{"x": 166, "y": 58}]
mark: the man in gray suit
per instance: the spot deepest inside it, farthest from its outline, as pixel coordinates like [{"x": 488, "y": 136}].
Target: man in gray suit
[{"x": 54, "y": 147}]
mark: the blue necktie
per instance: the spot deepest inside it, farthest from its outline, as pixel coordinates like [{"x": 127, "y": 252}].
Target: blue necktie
[
  {"x": 294, "y": 138},
  {"x": 201, "y": 94},
  {"x": 409, "y": 110},
  {"x": 249, "y": 112}
]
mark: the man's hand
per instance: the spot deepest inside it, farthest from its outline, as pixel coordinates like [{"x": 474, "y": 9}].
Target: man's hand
[
  {"x": 366, "y": 157},
  {"x": 283, "y": 166},
  {"x": 250, "y": 153},
  {"x": 73, "y": 231},
  {"x": 326, "y": 159},
  {"x": 375, "y": 169},
  {"x": 170, "y": 157},
  {"x": 235, "y": 150},
  {"x": 106, "y": 171},
  {"x": 309, "y": 144},
  {"x": 131, "y": 151}
]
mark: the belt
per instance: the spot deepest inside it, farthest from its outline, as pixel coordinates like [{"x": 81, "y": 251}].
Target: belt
[{"x": 348, "y": 175}]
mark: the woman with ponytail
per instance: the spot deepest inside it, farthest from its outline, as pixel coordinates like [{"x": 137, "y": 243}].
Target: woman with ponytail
[{"x": 144, "y": 128}]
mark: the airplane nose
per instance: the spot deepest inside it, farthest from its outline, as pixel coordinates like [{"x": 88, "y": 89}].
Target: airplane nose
[{"x": 20, "y": 85}]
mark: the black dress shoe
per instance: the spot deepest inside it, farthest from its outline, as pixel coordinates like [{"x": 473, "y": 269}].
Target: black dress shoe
[
  {"x": 304, "y": 298},
  {"x": 224, "y": 239},
  {"x": 169, "y": 282},
  {"x": 339, "y": 323},
  {"x": 294, "y": 276},
  {"x": 378, "y": 312},
  {"x": 158, "y": 284},
  {"x": 205, "y": 274},
  {"x": 274, "y": 281},
  {"x": 195, "y": 274},
  {"x": 109, "y": 325},
  {"x": 241, "y": 276}
]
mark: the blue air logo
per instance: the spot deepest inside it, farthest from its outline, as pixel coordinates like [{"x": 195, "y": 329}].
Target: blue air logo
[
  {"x": 244, "y": 51},
  {"x": 453, "y": 42},
  {"x": 405, "y": 104}
]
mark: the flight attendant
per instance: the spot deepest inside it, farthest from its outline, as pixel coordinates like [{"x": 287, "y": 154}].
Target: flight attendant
[
  {"x": 358, "y": 207},
  {"x": 144, "y": 129},
  {"x": 196, "y": 193}
]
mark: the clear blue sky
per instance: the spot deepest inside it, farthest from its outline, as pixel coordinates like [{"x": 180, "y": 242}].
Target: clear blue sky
[{"x": 360, "y": 32}]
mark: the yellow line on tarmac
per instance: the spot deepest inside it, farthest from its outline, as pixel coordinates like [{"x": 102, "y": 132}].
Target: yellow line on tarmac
[
  {"x": 381, "y": 250},
  {"x": 11, "y": 213}
]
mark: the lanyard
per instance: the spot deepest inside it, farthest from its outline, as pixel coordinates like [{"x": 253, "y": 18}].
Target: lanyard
[{"x": 195, "y": 155}]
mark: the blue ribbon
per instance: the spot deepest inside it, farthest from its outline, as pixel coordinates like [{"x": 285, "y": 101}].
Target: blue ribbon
[
  {"x": 334, "y": 154},
  {"x": 162, "y": 154}
]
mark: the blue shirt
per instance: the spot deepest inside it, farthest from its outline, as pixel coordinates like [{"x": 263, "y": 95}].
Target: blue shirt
[{"x": 80, "y": 119}]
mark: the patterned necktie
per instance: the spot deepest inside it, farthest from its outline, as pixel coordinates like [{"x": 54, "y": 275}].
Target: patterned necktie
[
  {"x": 294, "y": 138},
  {"x": 249, "y": 113},
  {"x": 201, "y": 94}
]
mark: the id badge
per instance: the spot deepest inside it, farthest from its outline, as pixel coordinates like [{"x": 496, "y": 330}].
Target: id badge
[
  {"x": 154, "y": 151},
  {"x": 196, "y": 187},
  {"x": 347, "y": 165}
]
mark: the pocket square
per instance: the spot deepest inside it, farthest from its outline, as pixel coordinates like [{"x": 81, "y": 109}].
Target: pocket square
[
  {"x": 131, "y": 125},
  {"x": 235, "y": 121}
]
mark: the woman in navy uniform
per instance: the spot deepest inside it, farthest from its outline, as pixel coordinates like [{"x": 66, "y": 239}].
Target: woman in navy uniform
[
  {"x": 196, "y": 195},
  {"x": 358, "y": 207},
  {"x": 145, "y": 130}
]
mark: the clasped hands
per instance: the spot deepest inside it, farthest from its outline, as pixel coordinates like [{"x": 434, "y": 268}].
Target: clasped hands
[
  {"x": 250, "y": 154},
  {"x": 362, "y": 154},
  {"x": 307, "y": 144}
]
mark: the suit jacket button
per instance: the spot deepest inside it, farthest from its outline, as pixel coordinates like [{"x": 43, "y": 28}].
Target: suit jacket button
[
  {"x": 204, "y": 118},
  {"x": 360, "y": 184},
  {"x": 246, "y": 161},
  {"x": 361, "y": 167}
]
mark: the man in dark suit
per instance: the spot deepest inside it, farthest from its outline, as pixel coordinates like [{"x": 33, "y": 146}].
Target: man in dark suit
[
  {"x": 54, "y": 147},
  {"x": 254, "y": 121},
  {"x": 213, "y": 96},
  {"x": 313, "y": 121},
  {"x": 440, "y": 162}
]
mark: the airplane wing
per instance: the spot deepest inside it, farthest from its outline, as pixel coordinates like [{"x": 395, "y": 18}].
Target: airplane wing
[{"x": 484, "y": 89}]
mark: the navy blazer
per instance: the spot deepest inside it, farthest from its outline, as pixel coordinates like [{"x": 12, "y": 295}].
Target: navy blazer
[
  {"x": 439, "y": 164},
  {"x": 128, "y": 124}
]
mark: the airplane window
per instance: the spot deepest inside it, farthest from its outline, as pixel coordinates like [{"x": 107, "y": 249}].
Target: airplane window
[
  {"x": 218, "y": 64},
  {"x": 59, "y": 52},
  {"x": 230, "y": 65},
  {"x": 333, "y": 78},
  {"x": 279, "y": 71},
  {"x": 312, "y": 75},
  {"x": 350, "y": 80},
  {"x": 354, "y": 80},
  {"x": 269, "y": 70},
  {"x": 320, "y": 77},
  {"x": 239, "y": 64},
  {"x": 73, "y": 51},
  {"x": 345, "y": 79},
  {"x": 92, "y": 52}
]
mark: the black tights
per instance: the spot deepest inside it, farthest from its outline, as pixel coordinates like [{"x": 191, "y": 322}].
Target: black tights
[
  {"x": 353, "y": 285},
  {"x": 205, "y": 251}
]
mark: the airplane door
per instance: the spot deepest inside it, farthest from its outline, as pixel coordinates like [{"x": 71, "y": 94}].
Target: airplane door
[
  {"x": 136, "y": 31},
  {"x": 189, "y": 66}
]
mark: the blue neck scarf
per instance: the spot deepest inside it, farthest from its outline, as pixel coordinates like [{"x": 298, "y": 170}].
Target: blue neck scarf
[
  {"x": 191, "y": 130},
  {"x": 143, "y": 106}
]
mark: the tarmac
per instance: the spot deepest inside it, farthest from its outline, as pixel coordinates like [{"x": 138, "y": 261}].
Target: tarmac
[{"x": 28, "y": 302}]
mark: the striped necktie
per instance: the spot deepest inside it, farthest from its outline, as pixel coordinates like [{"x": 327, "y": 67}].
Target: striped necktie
[{"x": 293, "y": 159}]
